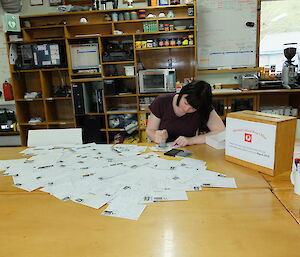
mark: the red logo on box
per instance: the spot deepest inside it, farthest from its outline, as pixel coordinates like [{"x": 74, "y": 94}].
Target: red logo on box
[{"x": 248, "y": 137}]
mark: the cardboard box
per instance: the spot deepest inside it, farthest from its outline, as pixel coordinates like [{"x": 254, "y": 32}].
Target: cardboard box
[{"x": 260, "y": 141}]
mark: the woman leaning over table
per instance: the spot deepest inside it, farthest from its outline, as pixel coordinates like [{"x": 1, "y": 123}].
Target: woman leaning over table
[{"x": 185, "y": 118}]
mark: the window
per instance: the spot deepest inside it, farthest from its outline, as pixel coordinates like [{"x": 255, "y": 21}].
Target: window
[{"x": 279, "y": 25}]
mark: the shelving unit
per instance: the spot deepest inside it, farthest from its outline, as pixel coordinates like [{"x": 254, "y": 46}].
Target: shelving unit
[{"x": 66, "y": 29}]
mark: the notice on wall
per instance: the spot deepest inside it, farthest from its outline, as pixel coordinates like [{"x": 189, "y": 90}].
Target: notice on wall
[{"x": 250, "y": 141}]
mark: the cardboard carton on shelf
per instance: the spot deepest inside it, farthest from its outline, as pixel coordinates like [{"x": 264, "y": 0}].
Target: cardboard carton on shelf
[{"x": 260, "y": 141}]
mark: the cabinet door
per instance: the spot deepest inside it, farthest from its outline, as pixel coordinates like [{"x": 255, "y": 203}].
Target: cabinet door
[
  {"x": 220, "y": 105},
  {"x": 241, "y": 103}
]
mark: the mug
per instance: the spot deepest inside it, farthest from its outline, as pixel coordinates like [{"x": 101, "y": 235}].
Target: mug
[
  {"x": 127, "y": 16},
  {"x": 121, "y": 16},
  {"x": 295, "y": 180},
  {"x": 114, "y": 16}
]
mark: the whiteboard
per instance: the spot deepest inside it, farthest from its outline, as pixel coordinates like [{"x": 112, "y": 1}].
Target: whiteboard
[{"x": 223, "y": 38}]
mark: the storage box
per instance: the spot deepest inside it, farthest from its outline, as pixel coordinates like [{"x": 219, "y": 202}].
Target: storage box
[{"x": 261, "y": 141}]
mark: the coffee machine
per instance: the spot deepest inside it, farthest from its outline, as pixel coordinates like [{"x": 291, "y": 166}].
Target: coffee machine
[{"x": 289, "y": 70}]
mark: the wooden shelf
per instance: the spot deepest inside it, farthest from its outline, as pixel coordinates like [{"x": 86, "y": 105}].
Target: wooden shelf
[
  {"x": 33, "y": 124},
  {"x": 37, "y": 70},
  {"x": 116, "y": 96},
  {"x": 132, "y": 34},
  {"x": 163, "y": 47},
  {"x": 155, "y": 19},
  {"x": 67, "y": 122},
  {"x": 44, "y": 27},
  {"x": 119, "y": 77},
  {"x": 123, "y": 62},
  {"x": 165, "y": 32},
  {"x": 54, "y": 69},
  {"x": 120, "y": 112},
  {"x": 29, "y": 100},
  {"x": 83, "y": 36},
  {"x": 37, "y": 40},
  {"x": 58, "y": 98},
  {"x": 227, "y": 70},
  {"x": 89, "y": 24},
  {"x": 91, "y": 113},
  {"x": 121, "y": 35},
  {"x": 86, "y": 79},
  {"x": 113, "y": 129},
  {"x": 86, "y": 74}
]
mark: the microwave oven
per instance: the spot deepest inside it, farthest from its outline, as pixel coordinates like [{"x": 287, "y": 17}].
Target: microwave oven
[{"x": 157, "y": 80}]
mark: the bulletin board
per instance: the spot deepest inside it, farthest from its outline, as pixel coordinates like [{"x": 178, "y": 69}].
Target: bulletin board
[{"x": 226, "y": 33}]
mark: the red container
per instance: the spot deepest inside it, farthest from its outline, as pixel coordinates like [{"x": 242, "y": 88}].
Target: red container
[
  {"x": 7, "y": 91},
  {"x": 142, "y": 14}
]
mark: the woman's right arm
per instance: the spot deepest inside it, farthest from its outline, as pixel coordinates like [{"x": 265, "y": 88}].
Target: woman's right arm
[{"x": 158, "y": 136}]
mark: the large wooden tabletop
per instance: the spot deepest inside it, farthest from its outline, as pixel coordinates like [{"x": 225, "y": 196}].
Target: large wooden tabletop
[{"x": 252, "y": 220}]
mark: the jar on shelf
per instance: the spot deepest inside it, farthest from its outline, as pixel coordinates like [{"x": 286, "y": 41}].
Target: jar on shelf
[
  {"x": 191, "y": 39},
  {"x": 171, "y": 27},
  {"x": 155, "y": 43},
  {"x": 114, "y": 16},
  {"x": 138, "y": 44},
  {"x": 149, "y": 43},
  {"x": 107, "y": 17},
  {"x": 172, "y": 42},
  {"x": 144, "y": 44},
  {"x": 161, "y": 42},
  {"x": 185, "y": 41},
  {"x": 133, "y": 15},
  {"x": 167, "y": 42},
  {"x": 161, "y": 26},
  {"x": 178, "y": 42},
  {"x": 166, "y": 27},
  {"x": 121, "y": 16},
  {"x": 127, "y": 16},
  {"x": 142, "y": 14}
]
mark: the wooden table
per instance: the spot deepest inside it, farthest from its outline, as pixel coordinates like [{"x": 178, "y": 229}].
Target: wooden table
[{"x": 248, "y": 221}]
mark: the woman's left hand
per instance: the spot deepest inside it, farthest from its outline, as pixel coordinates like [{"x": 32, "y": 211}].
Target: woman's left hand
[{"x": 181, "y": 141}]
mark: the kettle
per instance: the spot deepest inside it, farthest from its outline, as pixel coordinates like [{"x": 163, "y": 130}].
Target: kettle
[{"x": 249, "y": 81}]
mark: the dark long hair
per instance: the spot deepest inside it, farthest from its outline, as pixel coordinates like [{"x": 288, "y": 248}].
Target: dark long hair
[{"x": 199, "y": 96}]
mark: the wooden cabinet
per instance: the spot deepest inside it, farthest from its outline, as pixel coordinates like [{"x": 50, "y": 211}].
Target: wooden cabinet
[
  {"x": 233, "y": 103},
  {"x": 44, "y": 109}
]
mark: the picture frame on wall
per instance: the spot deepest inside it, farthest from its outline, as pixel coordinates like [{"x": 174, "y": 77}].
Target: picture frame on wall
[
  {"x": 55, "y": 2},
  {"x": 36, "y": 2}
]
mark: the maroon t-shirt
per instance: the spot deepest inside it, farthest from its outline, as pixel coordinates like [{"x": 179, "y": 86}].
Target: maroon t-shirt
[{"x": 185, "y": 125}]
